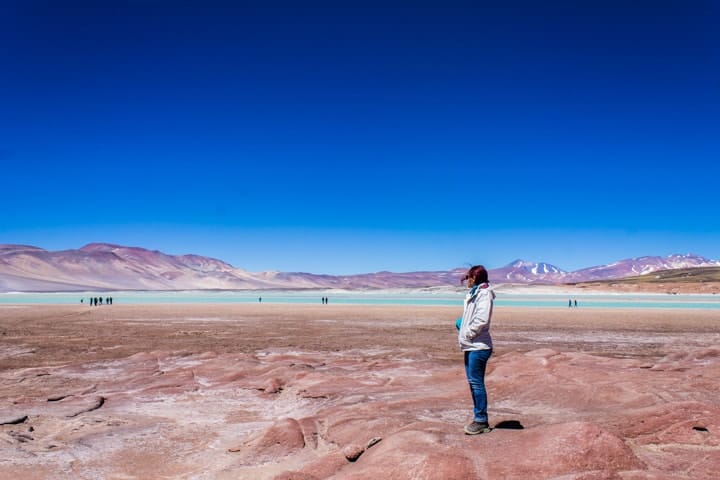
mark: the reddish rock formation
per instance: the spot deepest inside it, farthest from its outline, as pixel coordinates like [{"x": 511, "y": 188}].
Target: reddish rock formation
[{"x": 388, "y": 410}]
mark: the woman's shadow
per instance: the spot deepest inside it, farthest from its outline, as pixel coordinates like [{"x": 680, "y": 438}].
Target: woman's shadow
[{"x": 509, "y": 425}]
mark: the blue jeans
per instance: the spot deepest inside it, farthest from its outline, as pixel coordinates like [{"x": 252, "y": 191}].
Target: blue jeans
[{"x": 475, "y": 363}]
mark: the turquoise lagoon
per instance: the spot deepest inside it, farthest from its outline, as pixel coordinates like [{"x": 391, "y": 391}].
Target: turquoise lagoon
[{"x": 413, "y": 297}]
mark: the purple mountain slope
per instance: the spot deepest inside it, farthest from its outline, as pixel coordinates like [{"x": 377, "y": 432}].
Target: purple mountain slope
[
  {"x": 639, "y": 266},
  {"x": 102, "y": 266}
]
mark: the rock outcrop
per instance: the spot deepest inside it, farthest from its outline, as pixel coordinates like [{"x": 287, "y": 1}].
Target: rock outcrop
[{"x": 557, "y": 415}]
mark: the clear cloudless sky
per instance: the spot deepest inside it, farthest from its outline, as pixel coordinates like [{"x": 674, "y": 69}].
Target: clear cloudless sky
[{"x": 357, "y": 136}]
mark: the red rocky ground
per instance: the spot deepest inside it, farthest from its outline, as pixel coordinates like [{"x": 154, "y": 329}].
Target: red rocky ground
[{"x": 354, "y": 392}]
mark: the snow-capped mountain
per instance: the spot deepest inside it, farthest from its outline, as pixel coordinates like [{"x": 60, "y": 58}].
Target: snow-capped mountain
[{"x": 521, "y": 271}]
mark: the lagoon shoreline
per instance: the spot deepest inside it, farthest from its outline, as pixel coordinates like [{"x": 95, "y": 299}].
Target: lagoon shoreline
[{"x": 536, "y": 296}]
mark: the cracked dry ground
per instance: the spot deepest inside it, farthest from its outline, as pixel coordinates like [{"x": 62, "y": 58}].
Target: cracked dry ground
[{"x": 353, "y": 392}]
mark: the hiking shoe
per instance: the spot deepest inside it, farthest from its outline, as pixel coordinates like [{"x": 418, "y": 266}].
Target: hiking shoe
[{"x": 477, "y": 427}]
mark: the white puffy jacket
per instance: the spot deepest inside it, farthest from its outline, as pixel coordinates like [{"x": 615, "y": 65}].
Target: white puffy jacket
[{"x": 474, "y": 333}]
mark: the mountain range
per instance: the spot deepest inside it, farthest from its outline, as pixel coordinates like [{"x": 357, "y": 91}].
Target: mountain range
[{"x": 104, "y": 266}]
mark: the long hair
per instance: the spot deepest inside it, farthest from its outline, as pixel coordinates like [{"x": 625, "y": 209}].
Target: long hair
[{"x": 478, "y": 273}]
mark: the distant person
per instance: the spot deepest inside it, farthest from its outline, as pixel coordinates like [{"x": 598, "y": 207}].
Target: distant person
[
  {"x": 259, "y": 299},
  {"x": 110, "y": 300},
  {"x": 82, "y": 300},
  {"x": 570, "y": 303},
  {"x": 476, "y": 343},
  {"x": 95, "y": 301},
  {"x": 575, "y": 303},
  {"x": 100, "y": 300}
]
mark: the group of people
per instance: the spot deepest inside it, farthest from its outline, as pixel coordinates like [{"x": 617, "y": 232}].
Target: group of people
[
  {"x": 323, "y": 300},
  {"x": 572, "y": 303},
  {"x": 95, "y": 301}
]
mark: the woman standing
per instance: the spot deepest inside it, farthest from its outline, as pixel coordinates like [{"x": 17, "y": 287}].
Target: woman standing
[{"x": 476, "y": 343}]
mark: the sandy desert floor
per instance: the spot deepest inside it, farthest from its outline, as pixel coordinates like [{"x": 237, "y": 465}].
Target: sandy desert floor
[{"x": 354, "y": 392}]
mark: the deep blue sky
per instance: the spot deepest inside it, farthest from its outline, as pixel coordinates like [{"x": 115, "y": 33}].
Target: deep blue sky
[{"x": 344, "y": 137}]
